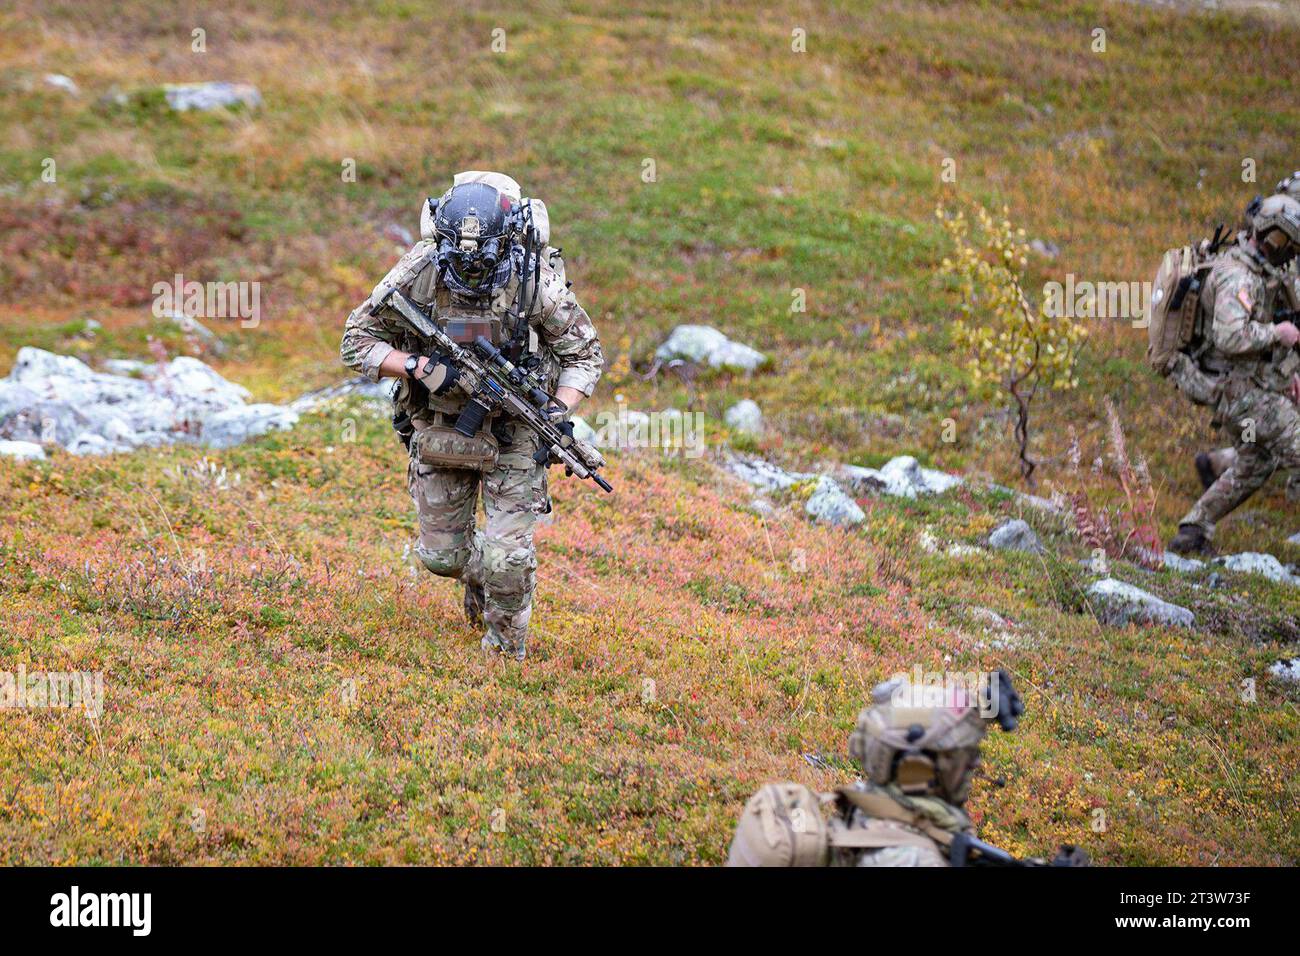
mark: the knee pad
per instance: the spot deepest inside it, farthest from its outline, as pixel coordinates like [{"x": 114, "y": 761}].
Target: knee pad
[
  {"x": 446, "y": 562},
  {"x": 507, "y": 568}
]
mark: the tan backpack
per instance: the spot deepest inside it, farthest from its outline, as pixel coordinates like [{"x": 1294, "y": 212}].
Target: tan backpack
[
  {"x": 1173, "y": 316},
  {"x": 782, "y": 825}
]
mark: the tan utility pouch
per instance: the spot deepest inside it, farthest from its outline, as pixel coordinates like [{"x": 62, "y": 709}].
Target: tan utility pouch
[
  {"x": 441, "y": 446},
  {"x": 782, "y": 825},
  {"x": 880, "y": 806}
]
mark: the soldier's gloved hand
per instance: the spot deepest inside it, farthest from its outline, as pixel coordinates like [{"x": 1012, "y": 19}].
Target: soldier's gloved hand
[
  {"x": 543, "y": 456},
  {"x": 1287, "y": 333},
  {"x": 438, "y": 375},
  {"x": 1070, "y": 855},
  {"x": 557, "y": 412}
]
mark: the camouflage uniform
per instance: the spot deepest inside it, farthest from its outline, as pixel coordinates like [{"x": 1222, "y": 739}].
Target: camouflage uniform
[
  {"x": 1220, "y": 460},
  {"x": 500, "y": 558},
  {"x": 918, "y": 759},
  {"x": 862, "y": 832},
  {"x": 1254, "y": 371}
]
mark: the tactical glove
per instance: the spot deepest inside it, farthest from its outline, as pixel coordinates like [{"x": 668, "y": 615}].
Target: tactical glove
[{"x": 438, "y": 375}]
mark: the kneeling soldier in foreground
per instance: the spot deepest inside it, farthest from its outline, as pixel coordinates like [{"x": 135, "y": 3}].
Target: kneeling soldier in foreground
[{"x": 917, "y": 764}]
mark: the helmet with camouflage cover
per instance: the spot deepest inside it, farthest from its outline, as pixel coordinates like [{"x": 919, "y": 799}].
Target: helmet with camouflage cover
[
  {"x": 1290, "y": 186},
  {"x": 929, "y": 748},
  {"x": 1275, "y": 228}
]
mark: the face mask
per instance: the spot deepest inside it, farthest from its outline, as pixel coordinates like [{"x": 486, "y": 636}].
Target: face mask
[{"x": 1277, "y": 248}]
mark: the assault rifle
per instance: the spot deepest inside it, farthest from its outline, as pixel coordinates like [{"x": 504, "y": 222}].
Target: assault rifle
[
  {"x": 494, "y": 383},
  {"x": 967, "y": 850}
]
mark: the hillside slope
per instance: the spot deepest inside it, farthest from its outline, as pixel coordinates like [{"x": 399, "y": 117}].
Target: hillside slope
[{"x": 283, "y": 686}]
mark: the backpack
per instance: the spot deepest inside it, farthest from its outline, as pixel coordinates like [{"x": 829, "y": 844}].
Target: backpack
[
  {"x": 1174, "y": 317},
  {"x": 782, "y": 825}
]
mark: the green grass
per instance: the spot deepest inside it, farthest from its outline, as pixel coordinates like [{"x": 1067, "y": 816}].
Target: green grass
[{"x": 775, "y": 171}]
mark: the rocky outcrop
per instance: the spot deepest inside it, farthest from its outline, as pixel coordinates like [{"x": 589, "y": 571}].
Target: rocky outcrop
[
  {"x": 1255, "y": 562},
  {"x": 1118, "y": 603},
  {"x": 762, "y": 474},
  {"x": 901, "y": 477},
  {"x": 1015, "y": 535},
  {"x": 705, "y": 345},
  {"x": 211, "y": 96},
  {"x": 829, "y": 504},
  {"x": 745, "y": 417},
  {"x": 57, "y": 399},
  {"x": 1288, "y": 670}
]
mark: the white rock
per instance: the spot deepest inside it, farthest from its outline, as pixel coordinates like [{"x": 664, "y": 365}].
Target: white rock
[
  {"x": 745, "y": 417},
  {"x": 762, "y": 474},
  {"x": 22, "y": 450},
  {"x": 1253, "y": 562},
  {"x": 1015, "y": 535},
  {"x": 830, "y": 504},
  {"x": 736, "y": 357},
  {"x": 60, "y": 399},
  {"x": 900, "y": 477},
  {"x": 88, "y": 443},
  {"x": 705, "y": 345},
  {"x": 694, "y": 343},
  {"x": 1286, "y": 670},
  {"x": 1176, "y": 562},
  {"x": 60, "y": 82},
  {"x": 1118, "y": 603},
  {"x": 379, "y": 393},
  {"x": 1054, "y": 505},
  {"x": 242, "y": 422},
  {"x": 762, "y": 506},
  {"x": 1294, "y": 539},
  {"x": 211, "y": 96},
  {"x": 126, "y": 366},
  {"x": 14, "y": 398},
  {"x": 191, "y": 377}
]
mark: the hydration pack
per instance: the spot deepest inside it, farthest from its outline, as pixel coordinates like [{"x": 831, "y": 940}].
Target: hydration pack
[{"x": 1174, "y": 318}]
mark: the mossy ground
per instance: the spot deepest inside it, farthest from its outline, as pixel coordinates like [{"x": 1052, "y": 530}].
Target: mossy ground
[{"x": 686, "y": 648}]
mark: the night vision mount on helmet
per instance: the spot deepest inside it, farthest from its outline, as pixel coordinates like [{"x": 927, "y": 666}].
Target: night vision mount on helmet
[{"x": 475, "y": 226}]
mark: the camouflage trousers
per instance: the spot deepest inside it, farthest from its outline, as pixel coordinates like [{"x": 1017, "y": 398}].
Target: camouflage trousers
[
  {"x": 1221, "y": 459},
  {"x": 500, "y": 557},
  {"x": 1265, "y": 430}
]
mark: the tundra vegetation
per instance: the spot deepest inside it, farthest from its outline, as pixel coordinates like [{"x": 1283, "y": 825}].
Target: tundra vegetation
[{"x": 282, "y": 685}]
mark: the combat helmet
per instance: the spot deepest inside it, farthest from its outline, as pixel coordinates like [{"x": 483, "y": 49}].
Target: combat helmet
[
  {"x": 1276, "y": 228},
  {"x": 473, "y": 224},
  {"x": 1290, "y": 186},
  {"x": 930, "y": 747}
]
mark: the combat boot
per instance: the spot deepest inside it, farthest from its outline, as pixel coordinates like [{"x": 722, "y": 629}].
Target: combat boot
[
  {"x": 1205, "y": 469},
  {"x": 1191, "y": 539},
  {"x": 474, "y": 604},
  {"x": 494, "y": 643}
]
